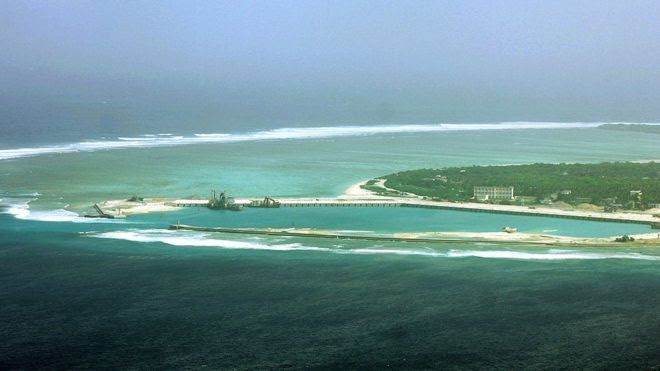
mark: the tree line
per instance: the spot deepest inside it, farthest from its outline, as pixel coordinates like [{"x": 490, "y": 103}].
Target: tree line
[{"x": 603, "y": 183}]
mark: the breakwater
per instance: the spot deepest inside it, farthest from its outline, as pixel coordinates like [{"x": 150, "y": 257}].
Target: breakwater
[
  {"x": 645, "y": 219},
  {"x": 531, "y": 212},
  {"x": 329, "y": 235}
]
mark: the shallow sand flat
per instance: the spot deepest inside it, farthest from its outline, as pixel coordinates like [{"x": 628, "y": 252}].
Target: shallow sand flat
[
  {"x": 645, "y": 238},
  {"x": 356, "y": 191},
  {"x": 650, "y": 240},
  {"x": 124, "y": 207}
]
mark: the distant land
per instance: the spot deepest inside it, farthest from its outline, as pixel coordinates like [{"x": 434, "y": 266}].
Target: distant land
[
  {"x": 610, "y": 185},
  {"x": 642, "y": 128}
]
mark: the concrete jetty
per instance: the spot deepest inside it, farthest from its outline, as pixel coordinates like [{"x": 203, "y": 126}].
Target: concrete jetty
[
  {"x": 190, "y": 203},
  {"x": 121, "y": 208},
  {"x": 635, "y": 218},
  {"x": 104, "y": 214},
  {"x": 338, "y": 202},
  {"x": 298, "y": 202}
]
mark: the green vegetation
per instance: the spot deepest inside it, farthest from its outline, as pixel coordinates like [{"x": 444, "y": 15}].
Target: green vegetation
[
  {"x": 642, "y": 128},
  {"x": 605, "y": 184},
  {"x": 372, "y": 185}
]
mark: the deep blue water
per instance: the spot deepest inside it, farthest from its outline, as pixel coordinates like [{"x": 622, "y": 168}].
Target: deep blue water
[
  {"x": 134, "y": 295},
  {"x": 70, "y": 301}
]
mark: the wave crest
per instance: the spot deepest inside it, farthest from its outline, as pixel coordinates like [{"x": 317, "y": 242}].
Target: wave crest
[
  {"x": 20, "y": 209},
  {"x": 196, "y": 239},
  {"x": 161, "y": 140},
  {"x": 176, "y": 238}
]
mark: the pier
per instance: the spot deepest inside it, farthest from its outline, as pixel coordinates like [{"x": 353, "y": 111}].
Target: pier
[
  {"x": 646, "y": 219},
  {"x": 120, "y": 209},
  {"x": 101, "y": 213},
  {"x": 190, "y": 203},
  {"x": 337, "y": 202},
  {"x": 297, "y": 202}
]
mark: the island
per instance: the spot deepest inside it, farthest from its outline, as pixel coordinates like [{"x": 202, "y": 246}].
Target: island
[
  {"x": 623, "y": 192},
  {"x": 607, "y": 187}
]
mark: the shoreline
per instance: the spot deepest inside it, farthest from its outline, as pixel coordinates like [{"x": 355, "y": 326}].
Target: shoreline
[
  {"x": 641, "y": 240},
  {"x": 357, "y": 196}
]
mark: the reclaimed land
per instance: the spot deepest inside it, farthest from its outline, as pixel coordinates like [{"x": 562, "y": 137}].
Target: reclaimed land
[{"x": 432, "y": 237}]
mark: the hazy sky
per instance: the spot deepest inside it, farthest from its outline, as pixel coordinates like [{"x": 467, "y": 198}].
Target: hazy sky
[{"x": 313, "y": 62}]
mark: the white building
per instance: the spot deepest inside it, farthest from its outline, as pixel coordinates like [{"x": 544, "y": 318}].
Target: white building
[{"x": 484, "y": 193}]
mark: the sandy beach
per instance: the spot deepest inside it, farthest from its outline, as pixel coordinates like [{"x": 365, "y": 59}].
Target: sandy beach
[
  {"x": 356, "y": 191},
  {"x": 122, "y": 208}
]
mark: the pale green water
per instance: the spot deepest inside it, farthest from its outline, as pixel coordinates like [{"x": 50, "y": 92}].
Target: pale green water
[
  {"x": 82, "y": 294},
  {"x": 315, "y": 167}
]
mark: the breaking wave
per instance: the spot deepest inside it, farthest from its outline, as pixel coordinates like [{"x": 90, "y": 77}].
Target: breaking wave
[
  {"x": 549, "y": 255},
  {"x": 167, "y": 139},
  {"x": 20, "y": 209},
  {"x": 196, "y": 239},
  {"x": 176, "y": 238}
]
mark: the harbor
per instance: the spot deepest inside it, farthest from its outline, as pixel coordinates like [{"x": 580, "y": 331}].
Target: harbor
[{"x": 121, "y": 209}]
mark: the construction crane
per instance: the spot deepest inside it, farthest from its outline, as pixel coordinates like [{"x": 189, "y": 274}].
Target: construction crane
[
  {"x": 223, "y": 202},
  {"x": 267, "y": 202}
]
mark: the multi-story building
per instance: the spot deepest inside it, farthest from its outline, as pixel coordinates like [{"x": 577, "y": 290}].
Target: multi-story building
[{"x": 485, "y": 193}]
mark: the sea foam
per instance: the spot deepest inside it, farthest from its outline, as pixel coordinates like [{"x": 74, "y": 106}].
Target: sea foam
[
  {"x": 161, "y": 140},
  {"x": 547, "y": 255},
  {"x": 176, "y": 238},
  {"x": 20, "y": 209}
]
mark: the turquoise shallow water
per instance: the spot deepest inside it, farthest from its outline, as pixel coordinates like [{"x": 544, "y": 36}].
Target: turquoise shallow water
[
  {"x": 396, "y": 220},
  {"x": 313, "y": 167},
  {"x": 81, "y": 294},
  {"x": 75, "y": 301}
]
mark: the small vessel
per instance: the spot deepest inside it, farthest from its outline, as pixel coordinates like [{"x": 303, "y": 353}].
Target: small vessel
[{"x": 509, "y": 229}]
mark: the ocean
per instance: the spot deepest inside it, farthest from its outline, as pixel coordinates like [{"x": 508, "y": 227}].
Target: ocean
[{"x": 81, "y": 293}]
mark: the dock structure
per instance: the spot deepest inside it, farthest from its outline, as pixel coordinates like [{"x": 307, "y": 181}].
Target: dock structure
[
  {"x": 296, "y": 202},
  {"x": 190, "y": 203},
  {"x": 106, "y": 214},
  {"x": 337, "y": 202},
  {"x": 414, "y": 202},
  {"x": 428, "y": 204},
  {"x": 100, "y": 213}
]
